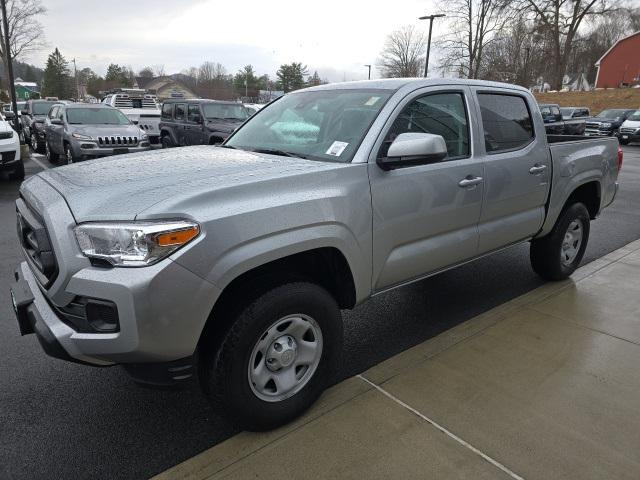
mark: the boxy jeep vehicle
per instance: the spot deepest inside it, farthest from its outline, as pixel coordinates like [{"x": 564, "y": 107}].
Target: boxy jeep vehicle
[
  {"x": 199, "y": 122},
  {"x": 232, "y": 263}
]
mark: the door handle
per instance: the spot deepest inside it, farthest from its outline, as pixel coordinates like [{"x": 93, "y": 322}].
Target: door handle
[
  {"x": 537, "y": 168},
  {"x": 469, "y": 181}
]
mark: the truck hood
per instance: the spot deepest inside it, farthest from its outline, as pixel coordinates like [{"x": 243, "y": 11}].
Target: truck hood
[
  {"x": 123, "y": 186},
  {"x": 106, "y": 130},
  {"x": 5, "y": 126},
  {"x": 631, "y": 124}
]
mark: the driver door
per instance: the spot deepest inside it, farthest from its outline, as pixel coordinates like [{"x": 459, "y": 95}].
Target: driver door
[{"x": 425, "y": 217}]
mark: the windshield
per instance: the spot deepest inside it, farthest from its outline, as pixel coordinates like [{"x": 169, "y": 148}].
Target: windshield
[
  {"x": 566, "y": 112},
  {"x": 323, "y": 125},
  {"x": 635, "y": 116},
  {"x": 42, "y": 108},
  {"x": 610, "y": 114},
  {"x": 224, "y": 110},
  {"x": 96, "y": 116}
]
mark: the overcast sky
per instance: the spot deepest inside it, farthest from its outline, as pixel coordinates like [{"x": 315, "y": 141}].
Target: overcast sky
[{"x": 334, "y": 37}]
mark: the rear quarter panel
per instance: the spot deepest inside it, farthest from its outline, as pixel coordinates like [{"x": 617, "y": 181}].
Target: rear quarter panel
[{"x": 577, "y": 163}]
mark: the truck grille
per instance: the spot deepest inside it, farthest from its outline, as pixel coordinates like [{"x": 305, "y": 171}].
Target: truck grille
[
  {"x": 35, "y": 243},
  {"x": 117, "y": 141}
]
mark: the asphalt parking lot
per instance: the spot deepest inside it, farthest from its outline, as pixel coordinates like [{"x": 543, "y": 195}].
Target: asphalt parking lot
[{"x": 60, "y": 420}]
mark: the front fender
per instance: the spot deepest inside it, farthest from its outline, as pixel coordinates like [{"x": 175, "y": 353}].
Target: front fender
[{"x": 260, "y": 251}]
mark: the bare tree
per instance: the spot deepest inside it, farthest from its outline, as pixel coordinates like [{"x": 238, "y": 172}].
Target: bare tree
[
  {"x": 25, "y": 32},
  {"x": 474, "y": 25},
  {"x": 158, "y": 70},
  {"x": 403, "y": 53},
  {"x": 560, "y": 21}
]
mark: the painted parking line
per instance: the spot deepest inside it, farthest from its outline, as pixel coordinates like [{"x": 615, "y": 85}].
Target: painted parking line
[
  {"x": 39, "y": 163},
  {"x": 450, "y": 434}
]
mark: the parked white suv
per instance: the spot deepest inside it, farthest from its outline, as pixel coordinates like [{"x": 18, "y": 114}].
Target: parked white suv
[
  {"x": 140, "y": 107},
  {"x": 630, "y": 129},
  {"x": 10, "y": 160}
]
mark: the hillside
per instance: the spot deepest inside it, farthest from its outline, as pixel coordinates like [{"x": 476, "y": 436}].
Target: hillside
[{"x": 596, "y": 100}]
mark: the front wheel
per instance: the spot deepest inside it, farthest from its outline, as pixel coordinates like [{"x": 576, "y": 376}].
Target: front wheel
[
  {"x": 166, "y": 141},
  {"x": 33, "y": 143},
  {"x": 68, "y": 154},
  {"x": 557, "y": 255},
  {"x": 624, "y": 141},
  {"x": 52, "y": 157},
  {"x": 276, "y": 358}
]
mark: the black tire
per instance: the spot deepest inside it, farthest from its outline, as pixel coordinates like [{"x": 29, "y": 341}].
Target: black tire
[
  {"x": 69, "y": 156},
  {"x": 546, "y": 252},
  {"x": 224, "y": 370},
  {"x": 52, "y": 157},
  {"x": 166, "y": 141},
  {"x": 624, "y": 141},
  {"x": 34, "y": 144},
  {"x": 18, "y": 172}
]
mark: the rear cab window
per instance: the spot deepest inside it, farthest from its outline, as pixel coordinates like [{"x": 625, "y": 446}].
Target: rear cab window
[
  {"x": 179, "y": 111},
  {"x": 506, "y": 121}
]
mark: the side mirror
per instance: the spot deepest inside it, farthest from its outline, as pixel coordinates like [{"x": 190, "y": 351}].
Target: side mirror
[
  {"x": 56, "y": 121},
  {"x": 416, "y": 148}
]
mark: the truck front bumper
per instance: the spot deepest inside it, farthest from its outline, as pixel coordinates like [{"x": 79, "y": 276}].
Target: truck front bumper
[{"x": 161, "y": 312}]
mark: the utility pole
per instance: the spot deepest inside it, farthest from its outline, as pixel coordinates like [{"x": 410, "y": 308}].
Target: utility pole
[
  {"x": 369, "y": 78},
  {"x": 75, "y": 74},
  {"x": 430, "y": 18},
  {"x": 7, "y": 49}
]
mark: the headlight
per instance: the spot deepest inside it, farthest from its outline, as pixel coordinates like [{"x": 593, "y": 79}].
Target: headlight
[
  {"x": 605, "y": 125},
  {"x": 80, "y": 136},
  {"x": 143, "y": 136},
  {"x": 135, "y": 244},
  {"x": 5, "y": 135}
]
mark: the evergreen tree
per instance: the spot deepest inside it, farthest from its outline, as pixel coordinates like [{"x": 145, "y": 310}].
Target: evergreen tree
[
  {"x": 57, "y": 80},
  {"x": 291, "y": 77},
  {"x": 119, "y": 76}
]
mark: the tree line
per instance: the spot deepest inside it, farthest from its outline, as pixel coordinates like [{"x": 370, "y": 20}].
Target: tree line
[
  {"x": 516, "y": 41},
  {"x": 209, "y": 80}
]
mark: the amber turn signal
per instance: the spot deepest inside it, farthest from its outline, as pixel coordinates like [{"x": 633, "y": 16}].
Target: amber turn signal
[{"x": 178, "y": 237}]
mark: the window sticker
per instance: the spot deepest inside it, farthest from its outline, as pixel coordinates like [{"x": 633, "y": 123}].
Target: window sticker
[
  {"x": 372, "y": 101},
  {"x": 336, "y": 148}
]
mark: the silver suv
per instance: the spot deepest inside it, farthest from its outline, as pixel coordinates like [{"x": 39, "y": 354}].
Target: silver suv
[{"x": 79, "y": 131}]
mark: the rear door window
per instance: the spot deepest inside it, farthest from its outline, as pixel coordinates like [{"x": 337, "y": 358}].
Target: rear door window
[
  {"x": 506, "y": 121},
  {"x": 193, "y": 114}
]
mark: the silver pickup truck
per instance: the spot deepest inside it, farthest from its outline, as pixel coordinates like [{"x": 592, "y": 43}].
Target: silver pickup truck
[{"x": 231, "y": 264}]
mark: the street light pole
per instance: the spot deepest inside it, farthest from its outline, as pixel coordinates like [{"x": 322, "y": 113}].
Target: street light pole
[
  {"x": 430, "y": 18},
  {"x": 369, "y": 78},
  {"x": 7, "y": 50}
]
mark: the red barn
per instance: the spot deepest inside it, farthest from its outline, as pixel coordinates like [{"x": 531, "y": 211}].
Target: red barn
[{"x": 620, "y": 65}]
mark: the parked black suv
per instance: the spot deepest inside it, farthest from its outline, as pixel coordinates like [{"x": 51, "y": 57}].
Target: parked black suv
[
  {"x": 607, "y": 122},
  {"x": 199, "y": 122},
  {"x": 32, "y": 120}
]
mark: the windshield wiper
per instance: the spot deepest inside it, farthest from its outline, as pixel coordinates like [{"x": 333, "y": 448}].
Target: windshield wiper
[{"x": 282, "y": 153}]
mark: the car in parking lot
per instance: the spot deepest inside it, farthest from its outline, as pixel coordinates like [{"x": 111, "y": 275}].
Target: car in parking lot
[
  {"x": 607, "y": 122},
  {"x": 10, "y": 161},
  {"x": 630, "y": 129},
  {"x": 199, "y": 121},
  {"x": 32, "y": 118},
  {"x": 233, "y": 263},
  {"x": 80, "y": 131},
  {"x": 574, "y": 119},
  {"x": 552, "y": 118},
  {"x": 140, "y": 107}
]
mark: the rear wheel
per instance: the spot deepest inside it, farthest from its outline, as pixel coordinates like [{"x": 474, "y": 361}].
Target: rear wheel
[
  {"x": 276, "y": 358},
  {"x": 557, "y": 255},
  {"x": 52, "y": 157}
]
